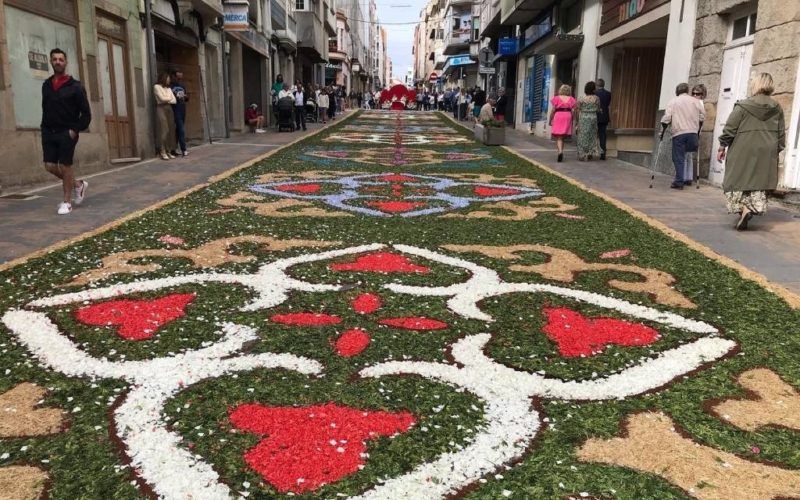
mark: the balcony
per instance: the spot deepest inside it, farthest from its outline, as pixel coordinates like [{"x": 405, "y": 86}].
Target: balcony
[
  {"x": 329, "y": 18},
  {"x": 336, "y": 53},
  {"x": 208, "y": 9},
  {"x": 311, "y": 36},
  {"x": 521, "y": 11},
  {"x": 286, "y": 37},
  {"x": 490, "y": 20},
  {"x": 457, "y": 29}
]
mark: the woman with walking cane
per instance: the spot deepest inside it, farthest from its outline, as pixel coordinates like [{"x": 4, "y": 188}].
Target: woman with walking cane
[{"x": 754, "y": 135}]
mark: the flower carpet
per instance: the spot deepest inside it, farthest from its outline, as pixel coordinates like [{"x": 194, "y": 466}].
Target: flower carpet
[{"x": 389, "y": 310}]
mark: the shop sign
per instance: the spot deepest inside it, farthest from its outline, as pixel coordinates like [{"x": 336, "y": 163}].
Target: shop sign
[
  {"x": 538, "y": 30},
  {"x": 487, "y": 70},
  {"x": 236, "y": 15},
  {"x": 619, "y": 12},
  {"x": 507, "y": 46},
  {"x": 39, "y": 65},
  {"x": 460, "y": 60},
  {"x": 356, "y": 67},
  {"x": 335, "y": 67}
]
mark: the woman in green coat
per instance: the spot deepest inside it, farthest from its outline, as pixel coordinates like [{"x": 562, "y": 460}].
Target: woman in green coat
[{"x": 753, "y": 136}]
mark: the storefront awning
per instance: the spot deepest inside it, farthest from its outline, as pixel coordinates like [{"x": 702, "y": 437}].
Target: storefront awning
[
  {"x": 558, "y": 43},
  {"x": 456, "y": 61}
]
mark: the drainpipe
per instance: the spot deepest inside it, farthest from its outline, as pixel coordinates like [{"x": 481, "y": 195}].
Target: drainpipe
[
  {"x": 151, "y": 63},
  {"x": 225, "y": 82}
]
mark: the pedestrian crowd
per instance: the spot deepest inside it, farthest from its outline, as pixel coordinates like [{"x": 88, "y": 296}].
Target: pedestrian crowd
[{"x": 752, "y": 139}]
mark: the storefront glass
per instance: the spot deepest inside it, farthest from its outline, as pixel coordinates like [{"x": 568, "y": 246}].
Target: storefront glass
[{"x": 30, "y": 38}]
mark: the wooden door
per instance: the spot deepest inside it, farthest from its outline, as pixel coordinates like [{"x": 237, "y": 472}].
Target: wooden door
[
  {"x": 637, "y": 87},
  {"x": 116, "y": 98}
]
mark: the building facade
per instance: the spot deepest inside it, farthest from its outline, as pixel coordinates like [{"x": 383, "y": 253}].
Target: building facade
[
  {"x": 643, "y": 50},
  {"x": 733, "y": 41}
]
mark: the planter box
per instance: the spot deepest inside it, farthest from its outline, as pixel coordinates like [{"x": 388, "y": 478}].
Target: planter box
[{"x": 491, "y": 136}]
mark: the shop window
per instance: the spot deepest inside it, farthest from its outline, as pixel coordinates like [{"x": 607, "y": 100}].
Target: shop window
[
  {"x": 30, "y": 38},
  {"x": 743, "y": 27}
]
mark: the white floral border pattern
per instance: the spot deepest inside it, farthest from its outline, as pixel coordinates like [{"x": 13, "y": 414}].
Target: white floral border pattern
[{"x": 511, "y": 420}]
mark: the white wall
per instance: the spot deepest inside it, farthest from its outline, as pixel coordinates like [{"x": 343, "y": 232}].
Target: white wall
[
  {"x": 587, "y": 66},
  {"x": 679, "y": 50}
]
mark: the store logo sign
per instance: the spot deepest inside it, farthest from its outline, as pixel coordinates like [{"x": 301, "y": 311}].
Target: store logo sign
[
  {"x": 236, "y": 15},
  {"x": 631, "y": 9}
]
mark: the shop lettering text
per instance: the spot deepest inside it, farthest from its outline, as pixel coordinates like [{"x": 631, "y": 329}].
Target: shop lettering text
[{"x": 629, "y": 10}]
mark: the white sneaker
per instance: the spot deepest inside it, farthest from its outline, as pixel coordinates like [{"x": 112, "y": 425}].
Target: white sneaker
[
  {"x": 80, "y": 193},
  {"x": 64, "y": 208},
  {"x": 260, "y": 131},
  {"x": 185, "y": 153}
]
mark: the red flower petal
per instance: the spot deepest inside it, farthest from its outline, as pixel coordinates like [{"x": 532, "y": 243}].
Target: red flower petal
[
  {"x": 397, "y": 206},
  {"x": 578, "y": 336},
  {"x": 136, "y": 319},
  {"x": 306, "y": 319},
  {"x": 299, "y": 188},
  {"x": 398, "y": 178},
  {"x": 381, "y": 262},
  {"x": 352, "y": 342},
  {"x": 414, "y": 323},
  {"x": 492, "y": 191},
  {"x": 315, "y": 445},
  {"x": 366, "y": 303}
]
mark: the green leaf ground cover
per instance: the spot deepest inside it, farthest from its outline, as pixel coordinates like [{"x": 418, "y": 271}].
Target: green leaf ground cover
[{"x": 84, "y": 461}]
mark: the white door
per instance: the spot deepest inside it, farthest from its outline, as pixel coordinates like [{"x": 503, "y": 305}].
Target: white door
[
  {"x": 733, "y": 87},
  {"x": 791, "y": 176}
]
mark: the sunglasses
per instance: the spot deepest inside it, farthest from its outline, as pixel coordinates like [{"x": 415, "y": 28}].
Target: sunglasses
[{"x": 697, "y": 93}]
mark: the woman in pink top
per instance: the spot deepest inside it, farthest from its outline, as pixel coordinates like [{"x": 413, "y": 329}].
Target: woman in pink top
[{"x": 562, "y": 114}]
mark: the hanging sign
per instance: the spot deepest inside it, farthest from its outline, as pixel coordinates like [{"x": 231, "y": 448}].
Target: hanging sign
[
  {"x": 236, "y": 15},
  {"x": 507, "y": 46}
]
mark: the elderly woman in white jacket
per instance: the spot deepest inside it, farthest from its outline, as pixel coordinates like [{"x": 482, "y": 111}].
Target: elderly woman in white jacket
[
  {"x": 164, "y": 100},
  {"x": 323, "y": 102}
]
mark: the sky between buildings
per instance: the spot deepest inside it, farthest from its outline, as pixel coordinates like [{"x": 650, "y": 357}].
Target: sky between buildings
[{"x": 400, "y": 38}]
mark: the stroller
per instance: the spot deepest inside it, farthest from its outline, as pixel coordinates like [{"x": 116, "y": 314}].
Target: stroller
[
  {"x": 311, "y": 111},
  {"x": 285, "y": 107}
]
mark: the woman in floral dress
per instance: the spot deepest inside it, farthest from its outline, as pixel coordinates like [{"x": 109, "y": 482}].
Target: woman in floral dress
[
  {"x": 588, "y": 107},
  {"x": 562, "y": 109}
]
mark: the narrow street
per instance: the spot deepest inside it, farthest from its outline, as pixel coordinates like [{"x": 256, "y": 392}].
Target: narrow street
[{"x": 385, "y": 297}]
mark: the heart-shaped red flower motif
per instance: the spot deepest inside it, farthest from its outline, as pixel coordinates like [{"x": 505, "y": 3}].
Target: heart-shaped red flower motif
[
  {"x": 495, "y": 191},
  {"x": 136, "y": 319},
  {"x": 309, "y": 447},
  {"x": 299, "y": 188},
  {"x": 396, "y": 207},
  {"x": 381, "y": 262},
  {"x": 577, "y": 335}
]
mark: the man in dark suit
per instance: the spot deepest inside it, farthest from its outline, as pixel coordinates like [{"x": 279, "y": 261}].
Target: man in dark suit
[{"x": 604, "y": 117}]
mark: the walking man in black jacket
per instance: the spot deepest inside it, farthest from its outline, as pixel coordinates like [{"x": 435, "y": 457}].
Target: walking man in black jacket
[{"x": 65, "y": 113}]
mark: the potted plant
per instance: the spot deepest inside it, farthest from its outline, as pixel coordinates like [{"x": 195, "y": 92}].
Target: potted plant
[{"x": 491, "y": 132}]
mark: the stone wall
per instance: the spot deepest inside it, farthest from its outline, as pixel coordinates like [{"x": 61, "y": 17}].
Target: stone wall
[{"x": 775, "y": 51}]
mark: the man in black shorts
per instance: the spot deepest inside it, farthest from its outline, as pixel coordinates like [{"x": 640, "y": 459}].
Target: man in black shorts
[{"x": 65, "y": 113}]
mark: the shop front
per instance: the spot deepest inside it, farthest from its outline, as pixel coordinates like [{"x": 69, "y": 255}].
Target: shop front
[
  {"x": 549, "y": 58},
  {"x": 460, "y": 71},
  {"x": 631, "y": 49},
  {"x": 103, "y": 58}
]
